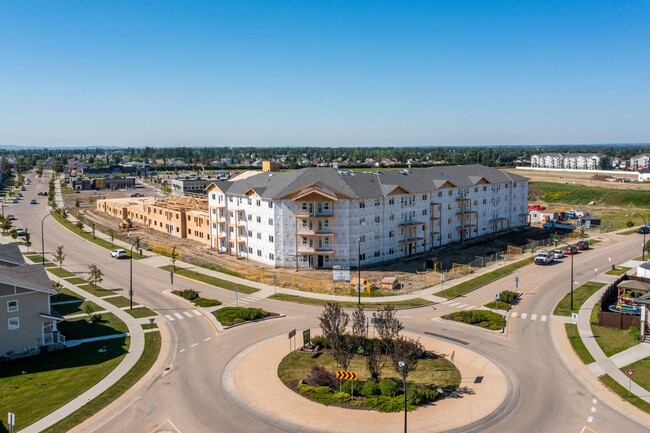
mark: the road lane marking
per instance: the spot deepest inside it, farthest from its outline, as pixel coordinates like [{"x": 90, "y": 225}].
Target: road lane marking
[
  {"x": 194, "y": 345},
  {"x": 447, "y": 302},
  {"x": 594, "y": 401},
  {"x": 170, "y": 318},
  {"x": 533, "y": 317},
  {"x": 454, "y": 304},
  {"x": 187, "y": 313},
  {"x": 196, "y": 312},
  {"x": 179, "y": 316},
  {"x": 207, "y": 339},
  {"x": 590, "y": 419},
  {"x": 182, "y": 350},
  {"x": 593, "y": 410},
  {"x": 544, "y": 318},
  {"x": 471, "y": 307},
  {"x": 513, "y": 315},
  {"x": 524, "y": 315},
  {"x": 460, "y": 307}
]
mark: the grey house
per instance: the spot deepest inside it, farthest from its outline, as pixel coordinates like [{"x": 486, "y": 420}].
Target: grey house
[{"x": 27, "y": 322}]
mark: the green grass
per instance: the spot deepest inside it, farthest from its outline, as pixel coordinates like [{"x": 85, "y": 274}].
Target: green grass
[
  {"x": 610, "y": 340},
  {"x": 118, "y": 301},
  {"x": 582, "y": 195},
  {"x": 141, "y": 312},
  {"x": 622, "y": 392},
  {"x": 578, "y": 345},
  {"x": 580, "y": 295},
  {"x": 480, "y": 281},
  {"x": 77, "y": 329},
  {"x": 498, "y": 305},
  {"x": 206, "y": 303},
  {"x": 627, "y": 232},
  {"x": 34, "y": 387},
  {"x": 65, "y": 295},
  {"x": 482, "y": 318},
  {"x": 229, "y": 316},
  {"x": 60, "y": 272},
  {"x": 68, "y": 309},
  {"x": 76, "y": 281},
  {"x": 410, "y": 303},
  {"x": 207, "y": 279},
  {"x": 618, "y": 270},
  {"x": 149, "y": 326},
  {"x": 99, "y": 291},
  {"x": 144, "y": 364},
  {"x": 641, "y": 372},
  {"x": 441, "y": 372}
]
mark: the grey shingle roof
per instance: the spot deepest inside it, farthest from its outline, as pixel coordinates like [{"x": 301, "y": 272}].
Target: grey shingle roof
[
  {"x": 10, "y": 255},
  {"x": 31, "y": 277},
  {"x": 367, "y": 185}
]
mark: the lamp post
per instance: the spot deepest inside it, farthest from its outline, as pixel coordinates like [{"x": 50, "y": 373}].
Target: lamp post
[
  {"x": 402, "y": 366},
  {"x": 137, "y": 241},
  {"x": 556, "y": 241},
  {"x": 43, "y": 240},
  {"x": 359, "y": 272},
  {"x": 642, "y": 246}
]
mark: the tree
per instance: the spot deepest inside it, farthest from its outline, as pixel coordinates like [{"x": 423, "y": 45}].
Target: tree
[
  {"x": 59, "y": 255},
  {"x": 28, "y": 237},
  {"x": 111, "y": 233},
  {"x": 6, "y": 225},
  {"x": 386, "y": 324},
  {"x": 95, "y": 276},
  {"x": 80, "y": 225},
  {"x": 406, "y": 350},
  {"x": 374, "y": 361},
  {"x": 359, "y": 322},
  {"x": 89, "y": 309},
  {"x": 173, "y": 257},
  {"x": 333, "y": 321},
  {"x": 343, "y": 350},
  {"x": 14, "y": 234}
]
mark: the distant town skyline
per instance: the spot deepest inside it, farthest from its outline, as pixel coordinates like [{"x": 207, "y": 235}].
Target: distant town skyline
[{"x": 339, "y": 74}]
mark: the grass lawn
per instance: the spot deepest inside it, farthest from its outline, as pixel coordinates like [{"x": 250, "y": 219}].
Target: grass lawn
[
  {"x": 610, "y": 340},
  {"x": 482, "y": 318},
  {"x": 207, "y": 279},
  {"x": 77, "y": 329},
  {"x": 581, "y": 195},
  {"x": 76, "y": 281},
  {"x": 410, "y": 303},
  {"x": 441, "y": 372},
  {"x": 641, "y": 372},
  {"x": 65, "y": 295},
  {"x": 482, "y": 280},
  {"x": 623, "y": 393},
  {"x": 60, "y": 272},
  {"x": 229, "y": 316},
  {"x": 580, "y": 295},
  {"x": 118, "y": 301},
  {"x": 577, "y": 343},
  {"x": 36, "y": 386},
  {"x": 498, "y": 305},
  {"x": 627, "y": 232},
  {"x": 149, "y": 325},
  {"x": 146, "y": 361},
  {"x": 99, "y": 291},
  {"x": 67, "y": 309},
  {"x": 618, "y": 270},
  {"x": 141, "y": 312}
]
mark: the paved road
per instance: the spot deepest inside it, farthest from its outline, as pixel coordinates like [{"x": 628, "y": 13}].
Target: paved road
[{"x": 544, "y": 394}]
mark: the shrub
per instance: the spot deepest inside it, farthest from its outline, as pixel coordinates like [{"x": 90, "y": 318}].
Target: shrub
[
  {"x": 321, "y": 341},
  {"x": 95, "y": 318},
  {"x": 482, "y": 318},
  {"x": 420, "y": 394},
  {"x": 203, "y": 302},
  {"x": 388, "y": 387},
  {"x": 323, "y": 395},
  {"x": 352, "y": 387},
  {"x": 634, "y": 332},
  {"x": 188, "y": 294},
  {"x": 370, "y": 389},
  {"x": 387, "y": 404},
  {"x": 319, "y": 376},
  {"x": 508, "y": 296}
]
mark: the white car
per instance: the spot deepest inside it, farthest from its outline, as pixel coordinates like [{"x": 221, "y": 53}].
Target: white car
[
  {"x": 119, "y": 254},
  {"x": 558, "y": 254}
]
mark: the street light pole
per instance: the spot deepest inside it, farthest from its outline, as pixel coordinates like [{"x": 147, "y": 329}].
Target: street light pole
[
  {"x": 137, "y": 241},
  {"x": 43, "y": 240},
  {"x": 642, "y": 246},
  {"x": 359, "y": 271},
  {"x": 402, "y": 366}
]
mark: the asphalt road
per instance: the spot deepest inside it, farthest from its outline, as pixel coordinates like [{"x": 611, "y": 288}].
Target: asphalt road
[{"x": 544, "y": 396}]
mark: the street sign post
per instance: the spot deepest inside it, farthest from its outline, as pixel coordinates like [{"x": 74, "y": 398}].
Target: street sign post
[
  {"x": 629, "y": 385},
  {"x": 306, "y": 337},
  {"x": 516, "y": 283},
  {"x": 574, "y": 318},
  {"x": 292, "y": 334},
  {"x": 496, "y": 301},
  {"x": 11, "y": 420}
]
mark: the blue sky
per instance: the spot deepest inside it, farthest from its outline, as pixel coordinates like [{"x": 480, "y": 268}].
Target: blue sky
[{"x": 323, "y": 73}]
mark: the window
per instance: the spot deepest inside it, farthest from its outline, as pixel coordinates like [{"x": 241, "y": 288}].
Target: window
[
  {"x": 270, "y": 238},
  {"x": 391, "y": 251},
  {"x": 377, "y": 219},
  {"x": 424, "y": 211},
  {"x": 259, "y": 235},
  {"x": 362, "y": 221},
  {"x": 391, "y": 200},
  {"x": 189, "y": 231},
  {"x": 362, "y": 205},
  {"x": 377, "y": 254},
  {"x": 362, "y": 256},
  {"x": 391, "y": 217},
  {"x": 391, "y": 233},
  {"x": 250, "y": 250},
  {"x": 14, "y": 323},
  {"x": 259, "y": 219},
  {"x": 304, "y": 206},
  {"x": 271, "y": 256},
  {"x": 12, "y": 306},
  {"x": 258, "y": 202},
  {"x": 424, "y": 196},
  {"x": 250, "y": 233},
  {"x": 250, "y": 217},
  {"x": 271, "y": 207},
  {"x": 259, "y": 253},
  {"x": 377, "y": 203},
  {"x": 362, "y": 238},
  {"x": 230, "y": 199},
  {"x": 270, "y": 221}
]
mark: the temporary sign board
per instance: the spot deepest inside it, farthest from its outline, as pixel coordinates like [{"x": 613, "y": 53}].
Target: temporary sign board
[{"x": 341, "y": 273}]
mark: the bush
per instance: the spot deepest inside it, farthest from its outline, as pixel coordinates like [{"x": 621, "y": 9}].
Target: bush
[
  {"x": 203, "y": 302},
  {"x": 388, "y": 387},
  {"x": 387, "y": 404},
  {"x": 421, "y": 394},
  {"x": 95, "y": 318},
  {"x": 319, "y": 376},
  {"x": 482, "y": 318},
  {"x": 634, "y": 332},
  {"x": 370, "y": 389},
  {"x": 232, "y": 315},
  {"x": 352, "y": 387},
  {"x": 188, "y": 294},
  {"x": 323, "y": 395},
  {"x": 321, "y": 341},
  {"x": 508, "y": 296}
]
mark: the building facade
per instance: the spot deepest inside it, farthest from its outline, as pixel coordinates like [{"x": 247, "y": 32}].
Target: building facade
[
  {"x": 571, "y": 161},
  {"x": 321, "y": 217},
  {"x": 640, "y": 162}
]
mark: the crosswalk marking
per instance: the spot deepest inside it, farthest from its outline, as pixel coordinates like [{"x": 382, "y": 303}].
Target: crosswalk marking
[
  {"x": 207, "y": 339},
  {"x": 179, "y": 316},
  {"x": 533, "y": 317},
  {"x": 454, "y": 304},
  {"x": 544, "y": 318},
  {"x": 460, "y": 307},
  {"x": 170, "y": 318},
  {"x": 523, "y": 315},
  {"x": 447, "y": 302},
  {"x": 196, "y": 312},
  {"x": 514, "y": 314},
  {"x": 194, "y": 345},
  {"x": 470, "y": 307},
  {"x": 182, "y": 350},
  {"x": 187, "y": 313}
]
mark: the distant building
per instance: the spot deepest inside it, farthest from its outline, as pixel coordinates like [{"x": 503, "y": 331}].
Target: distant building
[
  {"x": 571, "y": 161},
  {"x": 116, "y": 169},
  {"x": 107, "y": 182},
  {"x": 183, "y": 185},
  {"x": 640, "y": 162}
]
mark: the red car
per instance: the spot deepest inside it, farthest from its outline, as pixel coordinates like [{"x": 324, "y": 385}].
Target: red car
[
  {"x": 582, "y": 245},
  {"x": 570, "y": 250}
]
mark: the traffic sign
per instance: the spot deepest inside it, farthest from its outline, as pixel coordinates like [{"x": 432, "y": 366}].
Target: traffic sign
[
  {"x": 629, "y": 372},
  {"x": 574, "y": 318},
  {"x": 292, "y": 333},
  {"x": 346, "y": 375},
  {"x": 496, "y": 296},
  {"x": 11, "y": 420}
]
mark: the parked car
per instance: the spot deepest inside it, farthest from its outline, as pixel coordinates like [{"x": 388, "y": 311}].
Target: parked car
[
  {"x": 643, "y": 230},
  {"x": 119, "y": 254},
  {"x": 558, "y": 254},
  {"x": 43, "y": 193},
  {"x": 570, "y": 250},
  {"x": 10, "y": 217},
  {"x": 544, "y": 258},
  {"x": 20, "y": 231},
  {"x": 582, "y": 245},
  {"x": 20, "y": 194},
  {"x": 33, "y": 201},
  {"x": 137, "y": 194}
]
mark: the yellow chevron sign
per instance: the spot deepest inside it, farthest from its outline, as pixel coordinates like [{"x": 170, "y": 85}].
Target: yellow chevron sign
[{"x": 346, "y": 375}]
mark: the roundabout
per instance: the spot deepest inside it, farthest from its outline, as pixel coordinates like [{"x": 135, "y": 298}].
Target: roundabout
[{"x": 250, "y": 381}]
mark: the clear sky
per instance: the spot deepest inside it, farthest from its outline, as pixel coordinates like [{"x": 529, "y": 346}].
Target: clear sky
[{"x": 323, "y": 73}]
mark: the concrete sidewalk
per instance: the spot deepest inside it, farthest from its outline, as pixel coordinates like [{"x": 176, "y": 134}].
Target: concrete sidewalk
[{"x": 251, "y": 382}]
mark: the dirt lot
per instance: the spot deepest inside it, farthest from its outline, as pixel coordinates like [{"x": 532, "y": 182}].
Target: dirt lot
[{"x": 585, "y": 179}]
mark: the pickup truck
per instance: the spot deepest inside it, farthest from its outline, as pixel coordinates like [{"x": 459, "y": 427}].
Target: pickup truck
[
  {"x": 555, "y": 225},
  {"x": 544, "y": 258}
]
